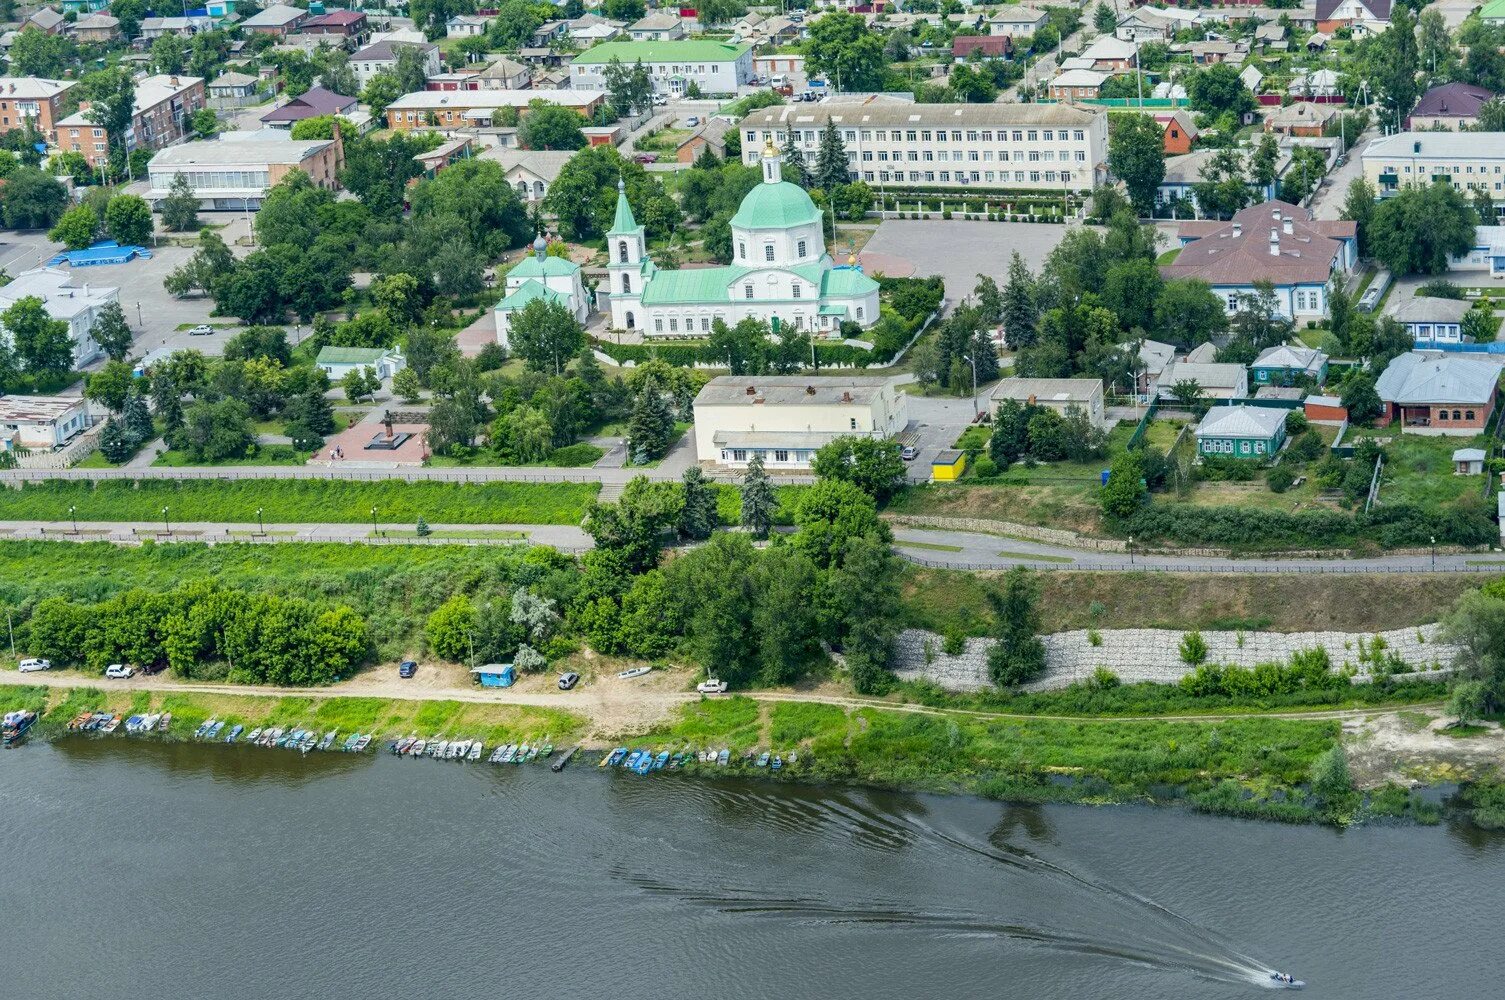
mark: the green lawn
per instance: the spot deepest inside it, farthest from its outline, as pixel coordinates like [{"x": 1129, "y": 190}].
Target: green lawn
[
  {"x": 302, "y": 501},
  {"x": 574, "y": 456},
  {"x": 267, "y": 454},
  {"x": 1419, "y": 469}
]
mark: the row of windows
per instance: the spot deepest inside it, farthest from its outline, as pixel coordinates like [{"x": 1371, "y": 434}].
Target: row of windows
[
  {"x": 666, "y": 68},
  {"x": 225, "y": 179},
  {"x": 800, "y": 250},
  {"x": 1467, "y": 415},
  {"x": 1442, "y": 170},
  {"x": 779, "y": 456},
  {"x": 1223, "y": 447},
  {"x": 974, "y": 176},
  {"x": 974, "y": 156},
  {"x": 812, "y": 136}
]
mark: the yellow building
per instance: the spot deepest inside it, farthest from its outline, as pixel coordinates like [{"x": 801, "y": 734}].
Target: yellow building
[{"x": 948, "y": 466}]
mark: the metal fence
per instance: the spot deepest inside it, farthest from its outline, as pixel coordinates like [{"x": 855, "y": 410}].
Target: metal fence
[{"x": 414, "y": 475}]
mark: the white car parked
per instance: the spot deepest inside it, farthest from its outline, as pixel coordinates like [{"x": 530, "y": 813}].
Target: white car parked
[
  {"x": 711, "y": 686},
  {"x": 27, "y": 666},
  {"x": 119, "y": 671}
]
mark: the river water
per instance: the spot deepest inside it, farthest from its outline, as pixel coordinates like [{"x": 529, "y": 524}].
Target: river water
[{"x": 192, "y": 871}]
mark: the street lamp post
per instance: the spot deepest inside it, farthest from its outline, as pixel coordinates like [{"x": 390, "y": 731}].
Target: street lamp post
[
  {"x": 373, "y": 522},
  {"x": 972, "y": 359},
  {"x": 261, "y": 527},
  {"x": 166, "y": 521},
  {"x": 73, "y": 516},
  {"x": 1434, "y": 553},
  {"x": 1131, "y": 550}
]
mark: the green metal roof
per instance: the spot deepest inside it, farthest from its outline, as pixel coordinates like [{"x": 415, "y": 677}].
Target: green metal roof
[
  {"x": 688, "y": 50},
  {"x": 549, "y": 267},
  {"x": 693, "y": 286},
  {"x": 1493, "y": 10},
  {"x": 833, "y": 310},
  {"x": 527, "y": 292},
  {"x": 844, "y": 281},
  {"x": 350, "y": 356},
  {"x": 624, "y": 224},
  {"x": 775, "y": 206}
]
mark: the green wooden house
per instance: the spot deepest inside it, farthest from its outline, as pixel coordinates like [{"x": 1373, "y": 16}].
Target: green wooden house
[
  {"x": 1248, "y": 432},
  {"x": 1284, "y": 364}
]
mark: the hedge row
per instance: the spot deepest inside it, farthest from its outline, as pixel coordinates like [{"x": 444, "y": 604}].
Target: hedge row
[{"x": 1398, "y": 526}]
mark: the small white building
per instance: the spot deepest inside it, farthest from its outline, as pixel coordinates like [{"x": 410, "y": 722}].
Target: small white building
[
  {"x": 337, "y": 362},
  {"x": 530, "y": 172},
  {"x": 786, "y": 419},
  {"x": 78, "y": 305},
  {"x": 1468, "y": 462},
  {"x": 1432, "y": 320},
  {"x": 1216, "y": 380},
  {"x": 540, "y": 276},
  {"x": 381, "y": 57},
  {"x": 41, "y": 423},
  {"x": 1058, "y": 394}
]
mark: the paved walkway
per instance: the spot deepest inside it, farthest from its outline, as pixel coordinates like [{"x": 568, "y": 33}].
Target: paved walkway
[
  {"x": 567, "y": 538},
  {"x": 971, "y": 550}
]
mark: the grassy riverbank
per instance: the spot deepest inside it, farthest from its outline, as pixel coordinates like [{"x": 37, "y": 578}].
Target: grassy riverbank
[
  {"x": 386, "y": 718},
  {"x": 1255, "y": 767},
  {"x": 299, "y": 501}
]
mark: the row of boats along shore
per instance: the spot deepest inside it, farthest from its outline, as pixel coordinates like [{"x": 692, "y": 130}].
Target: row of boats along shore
[{"x": 213, "y": 730}]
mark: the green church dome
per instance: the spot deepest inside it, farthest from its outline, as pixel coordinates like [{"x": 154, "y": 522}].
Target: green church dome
[{"x": 775, "y": 206}]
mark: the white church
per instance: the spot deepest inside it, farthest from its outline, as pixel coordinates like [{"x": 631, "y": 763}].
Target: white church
[
  {"x": 781, "y": 273},
  {"x": 541, "y": 277}
]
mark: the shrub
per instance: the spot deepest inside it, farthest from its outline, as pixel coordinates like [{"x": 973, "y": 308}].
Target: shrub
[
  {"x": 1103, "y": 679},
  {"x": 1330, "y": 776},
  {"x": 1193, "y": 648},
  {"x": 1280, "y": 479}
]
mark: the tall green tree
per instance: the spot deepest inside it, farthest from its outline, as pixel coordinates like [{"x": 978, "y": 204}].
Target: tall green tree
[
  {"x": 545, "y": 335},
  {"x": 698, "y": 518},
  {"x": 111, "y": 332},
  {"x": 1396, "y": 63},
  {"x": 841, "y": 48},
  {"x": 1017, "y": 655},
  {"x": 180, "y": 209},
  {"x": 1136, "y": 155},
  {"x": 651, "y": 428},
  {"x": 41, "y": 344},
  {"x": 1419, "y": 229},
  {"x": 871, "y": 464},
  {"x": 758, "y": 501},
  {"x": 1020, "y": 308},
  {"x": 1358, "y": 207},
  {"x": 128, "y": 220},
  {"x": 794, "y": 169},
  {"x": 831, "y": 162}
]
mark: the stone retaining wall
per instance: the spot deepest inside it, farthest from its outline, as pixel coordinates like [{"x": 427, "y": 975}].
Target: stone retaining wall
[
  {"x": 1155, "y": 654},
  {"x": 1050, "y": 536}
]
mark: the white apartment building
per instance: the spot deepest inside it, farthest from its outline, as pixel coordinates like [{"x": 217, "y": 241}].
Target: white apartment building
[
  {"x": 1467, "y": 160},
  {"x": 786, "y": 419},
  {"x": 76, "y": 305},
  {"x": 713, "y": 67},
  {"x": 1041, "y": 147}
]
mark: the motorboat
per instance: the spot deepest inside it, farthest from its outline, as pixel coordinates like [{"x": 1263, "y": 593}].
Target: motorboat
[
  {"x": 235, "y": 733},
  {"x": 255, "y": 737},
  {"x": 496, "y": 755},
  {"x": 438, "y": 749},
  {"x": 614, "y": 758},
  {"x": 522, "y": 754},
  {"x": 113, "y": 724},
  {"x": 362, "y": 743},
  {"x": 763, "y": 759},
  {"x": 328, "y": 740},
  {"x": 215, "y": 730},
  {"x": 416, "y": 749},
  {"x": 661, "y": 760},
  {"x": 723, "y": 758},
  {"x": 1286, "y": 981},
  {"x": 475, "y": 750},
  {"x": 628, "y": 675},
  {"x": 509, "y": 752}
]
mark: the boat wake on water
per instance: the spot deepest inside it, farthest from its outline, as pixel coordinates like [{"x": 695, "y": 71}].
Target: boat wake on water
[{"x": 1022, "y": 898}]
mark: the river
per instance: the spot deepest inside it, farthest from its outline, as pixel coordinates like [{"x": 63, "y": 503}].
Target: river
[{"x": 192, "y": 871}]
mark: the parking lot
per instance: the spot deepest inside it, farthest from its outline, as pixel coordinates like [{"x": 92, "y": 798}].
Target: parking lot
[
  {"x": 959, "y": 251},
  {"x": 153, "y": 314}
]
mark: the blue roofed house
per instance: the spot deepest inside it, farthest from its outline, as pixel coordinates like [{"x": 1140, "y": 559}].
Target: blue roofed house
[
  {"x": 540, "y": 276},
  {"x": 780, "y": 273},
  {"x": 1286, "y": 364},
  {"x": 1245, "y": 432},
  {"x": 1276, "y": 242}
]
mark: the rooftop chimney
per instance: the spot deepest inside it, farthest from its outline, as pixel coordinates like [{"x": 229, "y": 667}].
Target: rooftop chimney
[
  {"x": 1285, "y": 225},
  {"x": 1274, "y": 243},
  {"x": 752, "y": 390},
  {"x": 809, "y": 390},
  {"x": 1238, "y": 229}
]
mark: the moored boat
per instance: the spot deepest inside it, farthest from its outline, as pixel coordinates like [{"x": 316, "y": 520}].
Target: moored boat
[
  {"x": 417, "y": 748},
  {"x": 254, "y": 737},
  {"x": 214, "y": 730},
  {"x": 564, "y": 759},
  {"x": 328, "y": 740},
  {"x": 632, "y": 759},
  {"x": 198, "y": 733},
  {"x": 661, "y": 760},
  {"x": 475, "y": 750},
  {"x": 362, "y": 743},
  {"x": 15, "y": 725},
  {"x": 763, "y": 759},
  {"x": 614, "y": 758},
  {"x": 235, "y": 732},
  {"x": 533, "y": 752},
  {"x": 166, "y": 722},
  {"x": 112, "y": 725},
  {"x": 644, "y": 764},
  {"x": 778, "y": 762},
  {"x": 133, "y": 723},
  {"x": 509, "y": 753},
  {"x": 438, "y": 748}
]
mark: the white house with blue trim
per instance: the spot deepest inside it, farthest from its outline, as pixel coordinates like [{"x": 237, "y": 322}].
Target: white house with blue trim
[{"x": 1275, "y": 242}]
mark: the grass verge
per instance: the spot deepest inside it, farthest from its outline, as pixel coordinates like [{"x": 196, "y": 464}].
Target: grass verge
[{"x": 300, "y": 501}]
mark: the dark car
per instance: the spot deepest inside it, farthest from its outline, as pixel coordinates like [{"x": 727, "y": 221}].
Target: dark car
[
  {"x": 407, "y": 668},
  {"x": 567, "y": 681}
]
